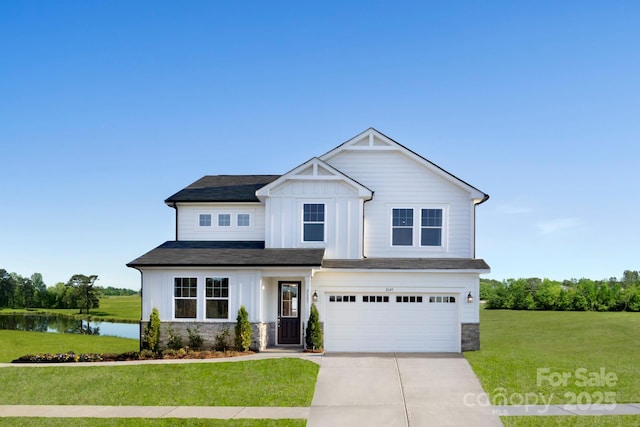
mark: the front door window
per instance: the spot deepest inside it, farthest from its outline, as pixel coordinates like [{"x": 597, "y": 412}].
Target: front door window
[{"x": 289, "y": 300}]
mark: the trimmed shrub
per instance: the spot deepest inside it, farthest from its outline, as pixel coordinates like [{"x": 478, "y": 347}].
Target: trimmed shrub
[
  {"x": 174, "y": 341},
  {"x": 313, "y": 334},
  {"x": 152, "y": 332},
  {"x": 243, "y": 330},
  {"x": 221, "y": 340},
  {"x": 195, "y": 339}
]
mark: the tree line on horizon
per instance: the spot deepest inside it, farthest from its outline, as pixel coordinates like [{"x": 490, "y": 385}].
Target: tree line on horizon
[
  {"x": 79, "y": 292},
  {"x": 568, "y": 295}
]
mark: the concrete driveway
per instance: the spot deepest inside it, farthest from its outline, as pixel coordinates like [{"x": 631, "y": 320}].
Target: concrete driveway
[{"x": 398, "y": 390}]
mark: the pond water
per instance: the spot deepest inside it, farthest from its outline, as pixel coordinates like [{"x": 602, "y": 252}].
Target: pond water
[{"x": 67, "y": 325}]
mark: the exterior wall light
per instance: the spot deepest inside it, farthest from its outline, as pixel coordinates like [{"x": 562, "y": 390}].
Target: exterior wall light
[
  {"x": 469, "y": 297},
  {"x": 315, "y": 296}
]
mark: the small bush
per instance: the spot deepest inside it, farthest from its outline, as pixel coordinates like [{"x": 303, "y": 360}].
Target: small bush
[
  {"x": 147, "y": 354},
  {"x": 313, "y": 334},
  {"x": 195, "y": 339},
  {"x": 243, "y": 330},
  {"x": 152, "y": 332},
  {"x": 174, "y": 341},
  {"x": 221, "y": 340}
]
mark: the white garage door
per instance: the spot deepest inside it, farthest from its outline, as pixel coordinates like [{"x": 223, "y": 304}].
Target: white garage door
[{"x": 392, "y": 323}]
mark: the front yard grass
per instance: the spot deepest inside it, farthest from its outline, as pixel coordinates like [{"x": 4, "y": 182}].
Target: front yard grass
[
  {"x": 145, "y": 422},
  {"x": 515, "y": 344},
  {"x": 20, "y": 343},
  {"x": 269, "y": 382},
  {"x": 573, "y": 421}
]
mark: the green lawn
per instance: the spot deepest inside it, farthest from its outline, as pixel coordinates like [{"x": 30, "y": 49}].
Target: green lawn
[
  {"x": 145, "y": 422},
  {"x": 571, "y": 421},
  {"x": 270, "y": 382},
  {"x": 116, "y": 308},
  {"x": 19, "y": 343},
  {"x": 515, "y": 344}
]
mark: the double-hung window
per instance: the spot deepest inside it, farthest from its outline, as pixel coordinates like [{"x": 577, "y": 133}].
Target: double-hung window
[
  {"x": 217, "y": 297},
  {"x": 402, "y": 227},
  {"x": 431, "y": 227},
  {"x": 313, "y": 222},
  {"x": 185, "y": 295}
]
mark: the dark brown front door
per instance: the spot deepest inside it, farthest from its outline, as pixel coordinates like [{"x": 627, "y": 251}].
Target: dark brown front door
[{"x": 288, "y": 312}]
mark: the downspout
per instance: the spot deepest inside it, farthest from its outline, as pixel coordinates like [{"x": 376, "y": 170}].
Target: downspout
[
  {"x": 365, "y": 201},
  {"x": 173, "y": 205},
  {"x": 141, "y": 299},
  {"x": 484, "y": 199}
]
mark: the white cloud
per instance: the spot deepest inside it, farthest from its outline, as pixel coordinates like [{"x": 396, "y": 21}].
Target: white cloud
[{"x": 556, "y": 225}]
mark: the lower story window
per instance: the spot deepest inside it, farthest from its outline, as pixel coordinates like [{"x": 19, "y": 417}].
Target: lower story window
[
  {"x": 217, "y": 297},
  {"x": 185, "y": 295}
]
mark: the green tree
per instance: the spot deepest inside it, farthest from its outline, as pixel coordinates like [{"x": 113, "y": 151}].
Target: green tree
[
  {"x": 313, "y": 334},
  {"x": 151, "y": 338},
  {"x": 27, "y": 292},
  {"x": 40, "y": 290},
  {"x": 88, "y": 295},
  {"x": 243, "y": 330},
  {"x": 7, "y": 289}
]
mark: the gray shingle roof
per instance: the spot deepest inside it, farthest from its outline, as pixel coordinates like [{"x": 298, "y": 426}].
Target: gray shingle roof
[
  {"x": 226, "y": 254},
  {"x": 223, "y": 188},
  {"x": 407, "y": 264}
]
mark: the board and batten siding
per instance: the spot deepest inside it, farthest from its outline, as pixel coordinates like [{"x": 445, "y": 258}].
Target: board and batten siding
[
  {"x": 398, "y": 283},
  {"x": 343, "y": 214},
  {"x": 399, "y": 181},
  {"x": 158, "y": 291},
  {"x": 189, "y": 222}
]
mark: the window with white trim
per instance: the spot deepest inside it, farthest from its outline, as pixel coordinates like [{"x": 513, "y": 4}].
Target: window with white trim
[
  {"x": 243, "y": 220},
  {"x": 402, "y": 227},
  {"x": 224, "y": 220},
  {"x": 313, "y": 222},
  {"x": 217, "y": 297},
  {"x": 427, "y": 230},
  {"x": 185, "y": 297},
  {"x": 431, "y": 227},
  {"x": 205, "y": 220}
]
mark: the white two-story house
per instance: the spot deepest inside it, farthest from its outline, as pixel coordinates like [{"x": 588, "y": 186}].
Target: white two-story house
[{"x": 379, "y": 238}]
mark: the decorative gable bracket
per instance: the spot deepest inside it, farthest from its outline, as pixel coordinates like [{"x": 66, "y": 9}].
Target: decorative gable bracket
[{"x": 314, "y": 170}]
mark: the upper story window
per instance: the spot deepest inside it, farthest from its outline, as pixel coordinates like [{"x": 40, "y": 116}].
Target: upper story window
[
  {"x": 431, "y": 227},
  {"x": 217, "y": 297},
  {"x": 406, "y": 232},
  {"x": 185, "y": 296},
  {"x": 224, "y": 220},
  {"x": 205, "y": 220},
  {"x": 402, "y": 227},
  {"x": 313, "y": 222},
  {"x": 243, "y": 220}
]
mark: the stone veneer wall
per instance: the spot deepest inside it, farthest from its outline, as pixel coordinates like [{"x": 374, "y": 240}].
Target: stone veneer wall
[
  {"x": 262, "y": 334},
  {"x": 470, "y": 337}
]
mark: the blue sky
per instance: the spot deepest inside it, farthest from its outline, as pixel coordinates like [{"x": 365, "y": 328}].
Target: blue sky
[{"x": 108, "y": 108}]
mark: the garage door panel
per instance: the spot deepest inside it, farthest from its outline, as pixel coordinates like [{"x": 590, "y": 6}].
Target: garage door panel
[{"x": 392, "y": 326}]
